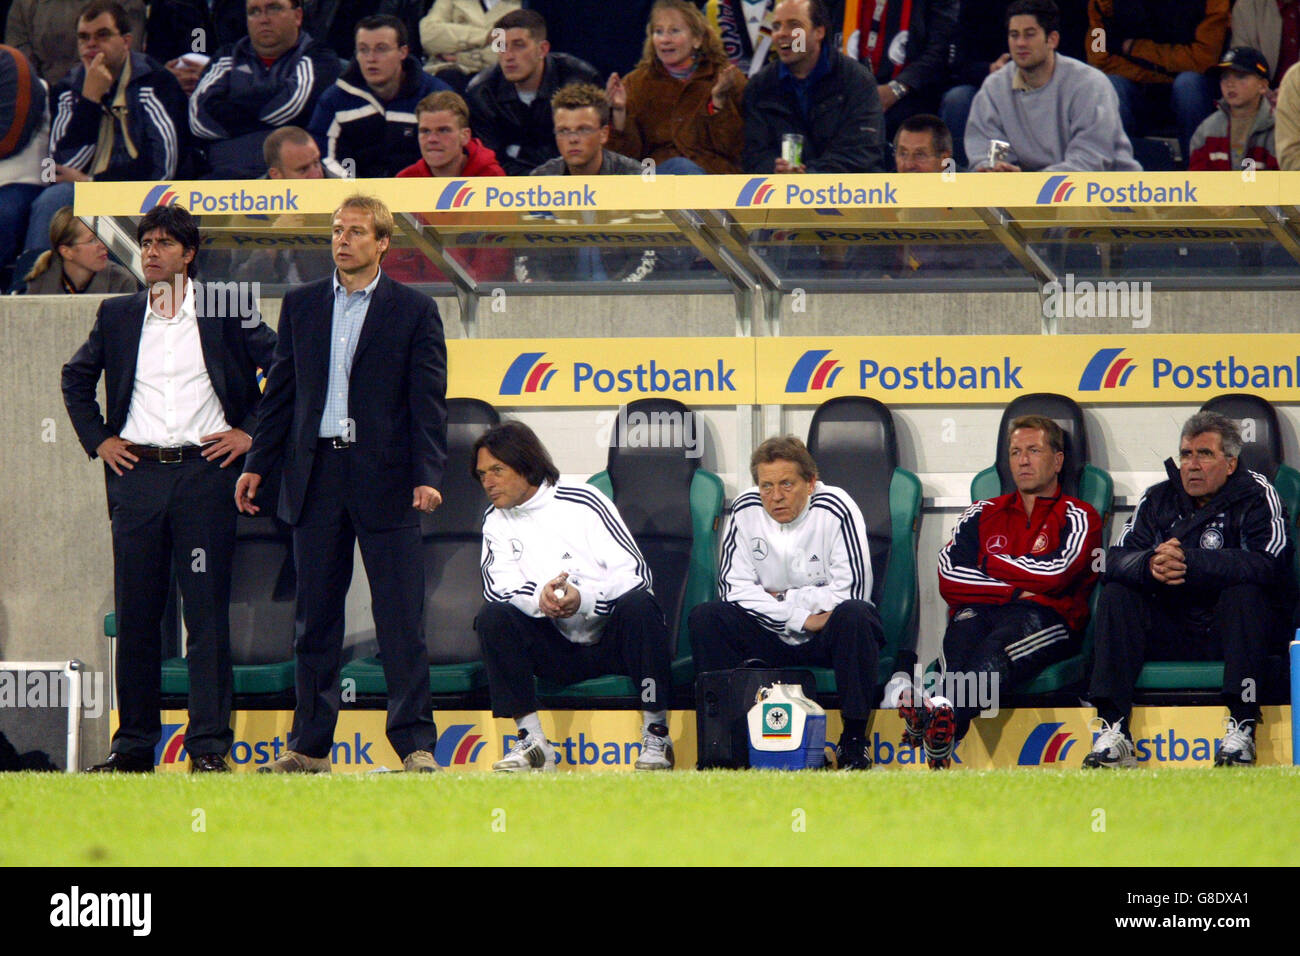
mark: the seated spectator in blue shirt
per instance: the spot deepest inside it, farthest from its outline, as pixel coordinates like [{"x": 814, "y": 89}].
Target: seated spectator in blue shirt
[
  {"x": 272, "y": 77},
  {"x": 816, "y": 92},
  {"x": 365, "y": 123},
  {"x": 118, "y": 115}
]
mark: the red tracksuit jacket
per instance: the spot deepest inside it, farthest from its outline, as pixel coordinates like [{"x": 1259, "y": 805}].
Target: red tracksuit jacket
[{"x": 999, "y": 554}]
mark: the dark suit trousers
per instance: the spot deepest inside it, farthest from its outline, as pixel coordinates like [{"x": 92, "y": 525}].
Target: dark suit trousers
[
  {"x": 724, "y": 636},
  {"x": 323, "y": 545},
  {"x": 180, "y": 514}
]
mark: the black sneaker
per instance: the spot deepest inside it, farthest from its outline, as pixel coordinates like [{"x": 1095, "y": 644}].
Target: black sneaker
[{"x": 854, "y": 753}]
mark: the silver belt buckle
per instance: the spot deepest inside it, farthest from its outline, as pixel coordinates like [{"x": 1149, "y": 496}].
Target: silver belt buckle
[
  {"x": 340, "y": 443},
  {"x": 171, "y": 456}
]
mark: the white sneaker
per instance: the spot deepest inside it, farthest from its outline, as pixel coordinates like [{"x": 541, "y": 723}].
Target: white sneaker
[
  {"x": 1112, "y": 748},
  {"x": 656, "y": 749},
  {"x": 528, "y": 753},
  {"x": 1238, "y": 745}
]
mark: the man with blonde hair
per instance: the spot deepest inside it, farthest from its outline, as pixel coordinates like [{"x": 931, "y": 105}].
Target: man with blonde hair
[
  {"x": 795, "y": 583},
  {"x": 355, "y": 411}
]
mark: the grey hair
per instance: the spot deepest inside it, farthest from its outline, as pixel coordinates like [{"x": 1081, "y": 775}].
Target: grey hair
[{"x": 1224, "y": 427}]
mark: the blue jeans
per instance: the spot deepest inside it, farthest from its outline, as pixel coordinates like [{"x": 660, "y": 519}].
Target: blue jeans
[
  {"x": 954, "y": 110},
  {"x": 680, "y": 166},
  {"x": 15, "y": 205},
  {"x": 44, "y": 207},
  {"x": 1190, "y": 98}
]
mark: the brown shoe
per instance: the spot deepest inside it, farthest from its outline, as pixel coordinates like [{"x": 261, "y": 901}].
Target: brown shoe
[
  {"x": 420, "y": 761},
  {"x": 293, "y": 762}
]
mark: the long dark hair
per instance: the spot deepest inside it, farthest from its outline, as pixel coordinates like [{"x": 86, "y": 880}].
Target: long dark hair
[{"x": 516, "y": 445}]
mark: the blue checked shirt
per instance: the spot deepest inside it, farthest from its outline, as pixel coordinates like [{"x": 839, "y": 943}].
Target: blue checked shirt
[{"x": 349, "y": 316}]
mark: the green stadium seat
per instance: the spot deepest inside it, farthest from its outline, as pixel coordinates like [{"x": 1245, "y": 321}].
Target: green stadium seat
[
  {"x": 1261, "y": 453},
  {"x": 673, "y": 508},
  {"x": 852, "y": 439},
  {"x": 1080, "y": 479},
  {"x": 453, "y": 586}
]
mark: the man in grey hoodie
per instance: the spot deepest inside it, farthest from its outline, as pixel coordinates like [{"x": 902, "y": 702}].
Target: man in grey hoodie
[{"x": 1056, "y": 113}]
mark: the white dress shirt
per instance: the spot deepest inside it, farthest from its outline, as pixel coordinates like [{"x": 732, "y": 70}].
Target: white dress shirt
[{"x": 173, "y": 402}]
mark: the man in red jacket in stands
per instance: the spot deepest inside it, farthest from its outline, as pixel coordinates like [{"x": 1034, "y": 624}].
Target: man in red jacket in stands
[
  {"x": 447, "y": 147},
  {"x": 1016, "y": 575}
]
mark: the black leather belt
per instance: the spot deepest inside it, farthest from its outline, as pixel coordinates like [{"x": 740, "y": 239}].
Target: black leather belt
[{"x": 169, "y": 456}]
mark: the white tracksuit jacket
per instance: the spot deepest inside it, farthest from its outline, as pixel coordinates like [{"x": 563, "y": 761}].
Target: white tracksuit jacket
[
  {"x": 820, "y": 559},
  {"x": 571, "y": 528}
]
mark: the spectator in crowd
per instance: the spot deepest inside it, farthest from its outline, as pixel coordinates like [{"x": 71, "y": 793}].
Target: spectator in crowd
[
  {"x": 906, "y": 47},
  {"x": 1055, "y": 112},
  {"x": 795, "y": 587},
  {"x": 1273, "y": 28},
  {"x": 581, "y": 132},
  {"x": 180, "y": 34},
  {"x": 1240, "y": 130},
  {"x": 1201, "y": 571},
  {"x": 368, "y": 116},
  {"x": 568, "y": 597},
  {"x": 923, "y": 144},
  {"x": 290, "y": 153},
  {"x": 1156, "y": 54},
  {"x": 813, "y": 92},
  {"x": 1286, "y": 120},
  {"x": 76, "y": 262},
  {"x": 681, "y": 105},
  {"x": 24, "y": 147},
  {"x": 745, "y": 28},
  {"x": 457, "y": 37},
  {"x": 333, "y": 22},
  {"x": 118, "y": 115},
  {"x": 449, "y": 148},
  {"x": 979, "y": 49},
  {"x": 606, "y": 35},
  {"x": 1017, "y": 574},
  {"x": 511, "y": 103},
  {"x": 46, "y": 30},
  {"x": 272, "y": 77}
]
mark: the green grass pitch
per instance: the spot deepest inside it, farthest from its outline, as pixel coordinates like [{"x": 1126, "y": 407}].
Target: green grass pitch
[{"x": 1011, "y": 817}]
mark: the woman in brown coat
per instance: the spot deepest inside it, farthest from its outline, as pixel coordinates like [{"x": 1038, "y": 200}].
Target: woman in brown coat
[{"x": 681, "y": 105}]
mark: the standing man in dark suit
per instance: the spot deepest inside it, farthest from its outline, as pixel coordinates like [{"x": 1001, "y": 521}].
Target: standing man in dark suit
[
  {"x": 356, "y": 408},
  {"x": 178, "y": 369}
]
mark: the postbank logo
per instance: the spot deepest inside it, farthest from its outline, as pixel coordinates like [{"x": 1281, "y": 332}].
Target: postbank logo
[
  {"x": 1057, "y": 189},
  {"x": 455, "y": 194},
  {"x": 813, "y": 372},
  {"x": 171, "y": 745},
  {"x": 161, "y": 195},
  {"x": 1046, "y": 743},
  {"x": 527, "y": 373},
  {"x": 458, "y": 746},
  {"x": 756, "y": 192},
  {"x": 1106, "y": 369}
]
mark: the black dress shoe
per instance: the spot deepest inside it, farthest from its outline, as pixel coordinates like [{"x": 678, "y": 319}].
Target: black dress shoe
[
  {"x": 209, "y": 763},
  {"x": 123, "y": 763}
]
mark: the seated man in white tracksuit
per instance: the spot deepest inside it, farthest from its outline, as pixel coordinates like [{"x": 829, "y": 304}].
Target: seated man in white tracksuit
[
  {"x": 795, "y": 583},
  {"x": 568, "y": 597}
]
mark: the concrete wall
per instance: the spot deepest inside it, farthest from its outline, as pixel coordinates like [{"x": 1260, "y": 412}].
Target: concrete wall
[{"x": 56, "y": 573}]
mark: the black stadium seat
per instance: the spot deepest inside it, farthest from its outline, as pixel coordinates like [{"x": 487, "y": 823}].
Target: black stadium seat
[{"x": 852, "y": 440}]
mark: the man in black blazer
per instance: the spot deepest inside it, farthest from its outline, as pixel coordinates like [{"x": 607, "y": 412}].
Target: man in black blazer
[
  {"x": 355, "y": 408},
  {"x": 180, "y": 373}
]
